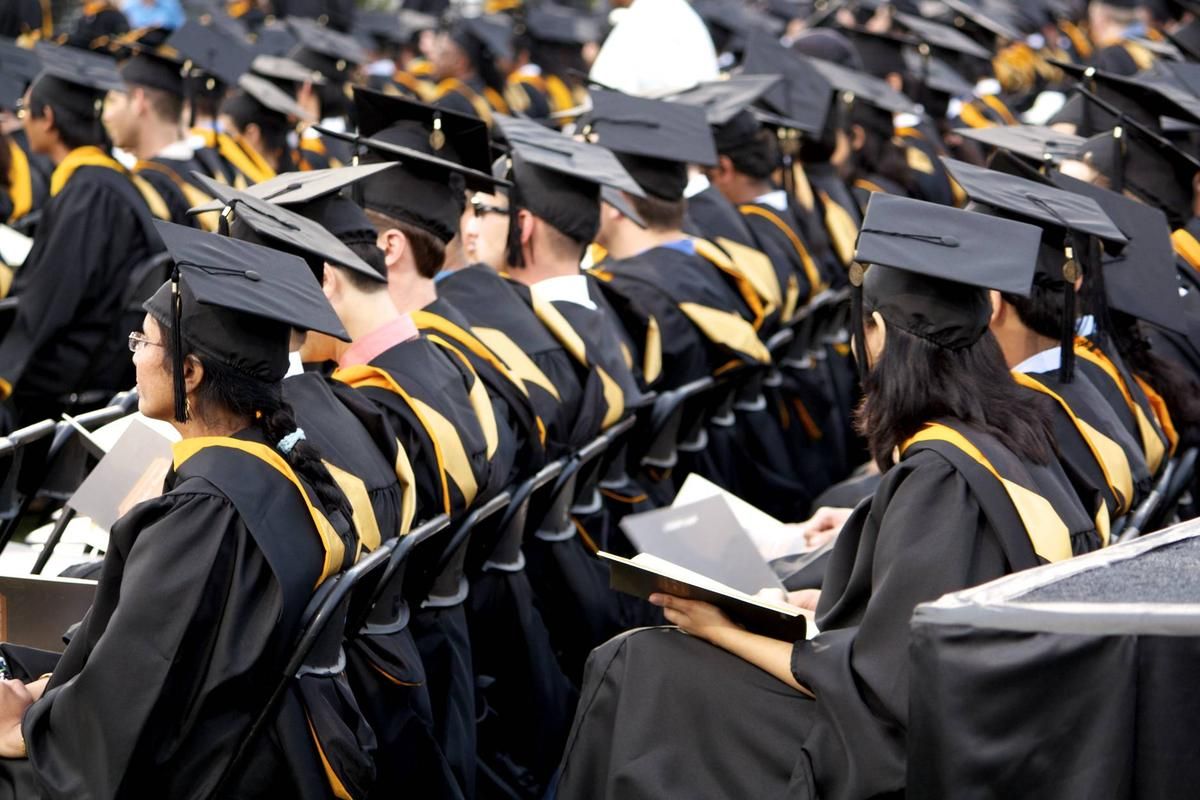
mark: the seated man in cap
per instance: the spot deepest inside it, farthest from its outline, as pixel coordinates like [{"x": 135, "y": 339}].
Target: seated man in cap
[
  {"x": 470, "y": 61},
  {"x": 64, "y": 349},
  {"x": 262, "y": 118},
  {"x": 146, "y": 120}
]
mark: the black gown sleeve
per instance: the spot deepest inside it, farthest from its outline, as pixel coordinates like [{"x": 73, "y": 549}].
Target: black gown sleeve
[
  {"x": 154, "y": 680},
  {"x": 891, "y": 555}
]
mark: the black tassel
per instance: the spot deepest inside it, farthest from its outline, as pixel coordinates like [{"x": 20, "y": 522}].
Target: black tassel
[
  {"x": 180, "y": 387},
  {"x": 859, "y": 329},
  {"x": 515, "y": 259}
]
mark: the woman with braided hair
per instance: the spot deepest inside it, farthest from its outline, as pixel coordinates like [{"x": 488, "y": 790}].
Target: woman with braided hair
[{"x": 202, "y": 592}]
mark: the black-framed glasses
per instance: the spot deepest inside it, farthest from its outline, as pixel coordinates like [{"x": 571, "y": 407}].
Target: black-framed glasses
[
  {"x": 139, "y": 340},
  {"x": 20, "y": 109},
  {"x": 482, "y": 209}
]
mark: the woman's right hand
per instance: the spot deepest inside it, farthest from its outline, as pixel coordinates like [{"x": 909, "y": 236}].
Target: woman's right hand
[{"x": 824, "y": 525}]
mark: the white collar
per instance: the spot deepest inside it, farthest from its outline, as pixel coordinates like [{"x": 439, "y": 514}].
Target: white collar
[
  {"x": 1045, "y": 361},
  {"x": 183, "y": 150},
  {"x": 776, "y": 200},
  {"x": 564, "y": 288},
  {"x": 697, "y": 183}
]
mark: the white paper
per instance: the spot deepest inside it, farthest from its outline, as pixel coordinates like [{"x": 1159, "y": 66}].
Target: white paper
[{"x": 774, "y": 539}]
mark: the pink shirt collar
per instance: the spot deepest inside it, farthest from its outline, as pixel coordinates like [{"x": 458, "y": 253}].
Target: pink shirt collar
[{"x": 367, "y": 348}]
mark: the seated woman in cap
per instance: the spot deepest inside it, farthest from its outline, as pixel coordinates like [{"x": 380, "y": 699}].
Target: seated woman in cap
[
  {"x": 828, "y": 717},
  {"x": 202, "y": 591}
]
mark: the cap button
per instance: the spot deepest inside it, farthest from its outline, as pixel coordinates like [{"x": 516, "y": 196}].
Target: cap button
[{"x": 252, "y": 275}]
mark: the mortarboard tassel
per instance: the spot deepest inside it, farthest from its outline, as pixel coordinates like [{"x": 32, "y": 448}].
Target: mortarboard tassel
[
  {"x": 514, "y": 257},
  {"x": 180, "y": 387},
  {"x": 1066, "y": 365},
  {"x": 857, "y": 274}
]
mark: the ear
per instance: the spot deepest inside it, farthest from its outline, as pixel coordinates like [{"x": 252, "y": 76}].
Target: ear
[
  {"x": 331, "y": 282},
  {"x": 394, "y": 245},
  {"x": 998, "y": 309},
  {"x": 193, "y": 374},
  {"x": 526, "y": 222},
  {"x": 48, "y": 118},
  {"x": 725, "y": 166},
  {"x": 858, "y": 137}
]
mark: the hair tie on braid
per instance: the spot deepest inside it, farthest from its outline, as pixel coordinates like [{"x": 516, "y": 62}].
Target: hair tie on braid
[{"x": 291, "y": 440}]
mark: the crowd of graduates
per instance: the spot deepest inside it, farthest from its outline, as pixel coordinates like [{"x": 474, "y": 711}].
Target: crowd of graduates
[{"x": 469, "y": 284}]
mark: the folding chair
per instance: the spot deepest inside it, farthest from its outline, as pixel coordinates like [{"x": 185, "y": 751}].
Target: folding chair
[
  {"x": 317, "y": 647},
  {"x": 663, "y": 431},
  {"x": 1176, "y": 476},
  {"x": 22, "y": 453}
]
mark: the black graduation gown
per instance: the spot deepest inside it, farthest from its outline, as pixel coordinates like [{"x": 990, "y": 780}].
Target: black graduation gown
[
  {"x": 68, "y": 334},
  {"x": 651, "y": 724},
  {"x": 197, "y": 607},
  {"x": 1088, "y": 404},
  {"x": 505, "y": 323},
  {"x": 838, "y": 209},
  {"x": 166, "y": 200},
  {"x": 711, "y": 216},
  {"x": 778, "y": 234}
]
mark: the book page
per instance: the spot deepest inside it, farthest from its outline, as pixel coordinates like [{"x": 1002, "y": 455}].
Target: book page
[
  {"x": 774, "y": 539},
  {"x": 672, "y": 570}
]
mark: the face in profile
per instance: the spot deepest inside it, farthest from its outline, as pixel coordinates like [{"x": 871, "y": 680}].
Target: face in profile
[{"x": 485, "y": 234}]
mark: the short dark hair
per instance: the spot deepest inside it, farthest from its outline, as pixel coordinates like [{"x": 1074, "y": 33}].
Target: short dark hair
[
  {"x": 371, "y": 254},
  {"x": 659, "y": 214},
  {"x": 74, "y": 129},
  {"x": 165, "y": 105},
  {"x": 1041, "y": 312},
  {"x": 429, "y": 252},
  {"x": 916, "y": 381},
  {"x": 757, "y": 158}
]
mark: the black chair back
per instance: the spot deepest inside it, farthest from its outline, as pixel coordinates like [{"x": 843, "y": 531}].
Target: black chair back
[
  {"x": 443, "y": 582},
  {"x": 388, "y": 611}
]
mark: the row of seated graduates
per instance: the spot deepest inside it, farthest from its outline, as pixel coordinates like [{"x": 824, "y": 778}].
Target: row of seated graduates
[{"x": 557, "y": 562}]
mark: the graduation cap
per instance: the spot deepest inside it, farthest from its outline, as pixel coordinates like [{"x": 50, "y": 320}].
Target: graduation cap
[
  {"x": 212, "y": 50},
  {"x": 18, "y": 68},
  {"x": 724, "y": 99},
  {"x": 992, "y": 20},
  {"x": 557, "y": 24},
  {"x": 269, "y": 99},
  {"x": 1066, "y": 217},
  {"x": 1037, "y": 144},
  {"x": 943, "y": 37},
  {"x": 868, "y": 88},
  {"x": 935, "y": 74},
  {"x": 654, "y": 140},
  {"x": 731, "y": 23},
  {"x": 281, "y": 69},
  {"x": 1140, "y": 280},
  {"x": 461, "y": 138},
  {"x": 296, "y": 189},
  {"x": 251, "y": 219},
  {"x": 930, "y": 267},
  {"x": 803, "y": 95},
  {"x": 1144, "y": 97},
  {"x": 1148, "y": 165},
  {"x": 1187, "y": 39},
  {"x": 236, "y": 302},
  {"x": 332, "y": 53},
  {"x": 77, "y": 80},
  {"x": 558, "y": 179},
  {"x": 484, "y": 39},
  {"x": 392, "y": 28},
  {"x": 154, "y": 67}
]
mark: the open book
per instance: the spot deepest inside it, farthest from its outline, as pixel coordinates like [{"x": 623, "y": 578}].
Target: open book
[{"x": 645, "y": 574}]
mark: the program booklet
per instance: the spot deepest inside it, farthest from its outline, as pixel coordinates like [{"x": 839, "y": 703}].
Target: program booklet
[{"x": 645, "y": 574}]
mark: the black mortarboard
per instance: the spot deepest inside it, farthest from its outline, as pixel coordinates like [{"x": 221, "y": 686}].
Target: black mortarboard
[
  {"x": 558, "y": 179},
  {"x": 935, "y": 74},
  {"x": 724, "y": 99},
  {"x": 279, "y": 69},
  {"x": 1066, "y": 218},
  {"x": 803, "y": 95},
  {"x": 880, "y": 54},
  {"x": 654, "y": 140},
  {"x": 332, "y": 53},
  {"x": 557, "y": 24},
  {"x": 433, "y": 146},
  {"x": 296, "y": 189},
  {"x": 270, "y": 99},
  {"x": 1145, "y": 97},
  {"x": 391, "y": 28},
  {"x": 1036, "y": 203},
  {"x": 212, "y": 50},
  {"x": 943, "y": 37},
  {"x": 1137, "y": 159},
  {"x": 1141, "y": 279},
  {"x": 156, "y": 68},
  {"x": 930, "y": 267},
  {"x": 829, "y": 45},
  {"x": 77, "y": 80},
  {"x": 250, "y": 219},
  {"x": 1037, "y": 144},
  {"x": 989, "y": 18},
  {"x": 868, "y": 88},
  {"x": 484, "y": 39},
  {"x": 732, "y": 23},
  {"x": 236, "y": 302},
  {"x": 18, "y": 68},
  {"x": 273, "y": 38},
  {"x": 1187, "y": 39}
]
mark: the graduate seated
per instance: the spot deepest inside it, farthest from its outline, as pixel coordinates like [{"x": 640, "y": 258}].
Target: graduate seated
[
  {"x": 202, "y": 589},
  {"x": 973, "y": 492}
]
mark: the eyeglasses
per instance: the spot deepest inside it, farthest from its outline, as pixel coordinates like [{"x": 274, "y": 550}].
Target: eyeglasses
[
  {"x": 20, "y": 110},
  {"x": 483, "y": 209},
  {"x": 138, "y": 340}
]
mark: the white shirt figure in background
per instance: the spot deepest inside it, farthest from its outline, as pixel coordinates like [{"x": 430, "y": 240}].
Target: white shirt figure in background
[{"x": 657, "y": 47}]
